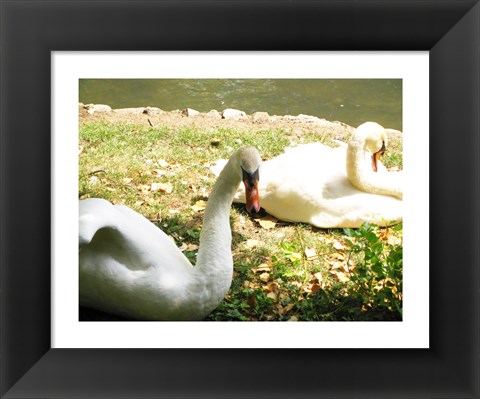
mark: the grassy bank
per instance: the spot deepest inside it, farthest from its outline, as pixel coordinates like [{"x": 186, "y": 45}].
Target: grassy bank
[{"x": 282, "y": 271}]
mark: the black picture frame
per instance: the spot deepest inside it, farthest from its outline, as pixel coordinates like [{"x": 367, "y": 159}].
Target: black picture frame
[{"x": 30, "y": 30}]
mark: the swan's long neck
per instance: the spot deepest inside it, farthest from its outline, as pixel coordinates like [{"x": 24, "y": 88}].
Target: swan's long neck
[
  {"x": 214, "y": 267},
  {"x": 362, "y": 176}
]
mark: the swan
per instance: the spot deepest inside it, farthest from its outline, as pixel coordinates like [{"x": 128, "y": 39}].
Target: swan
[
  {"x": 332, "y": 187},
  {"x": 131, "y": 268}
]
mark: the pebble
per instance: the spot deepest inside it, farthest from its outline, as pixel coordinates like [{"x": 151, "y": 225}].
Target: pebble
[
  {"x": 260, "y": 117},
  {"x": 190, "y": 112},
  {"x": 92, "y": 108},
  {"x": 214, "y": 114},
  {"x": 230, "y": 113}
]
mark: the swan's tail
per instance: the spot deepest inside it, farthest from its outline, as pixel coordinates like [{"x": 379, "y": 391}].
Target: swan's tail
[{"x": 94, "y": 214}]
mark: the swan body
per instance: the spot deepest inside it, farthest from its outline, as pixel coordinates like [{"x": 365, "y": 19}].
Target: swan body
[
  {"x": 332, "y": 187},
  {"x": 131, "y": 268}
]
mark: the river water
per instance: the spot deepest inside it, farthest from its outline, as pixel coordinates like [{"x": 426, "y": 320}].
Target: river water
[{"x": 352, "y": 101}]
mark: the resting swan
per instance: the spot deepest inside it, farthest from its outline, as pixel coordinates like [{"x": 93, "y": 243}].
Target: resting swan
[
  {"x": 332, "y": 187},
  {"x": 131, "y": 268}
]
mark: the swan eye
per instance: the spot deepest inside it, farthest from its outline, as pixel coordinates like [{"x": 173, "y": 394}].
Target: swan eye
[{"x": 250, "y": 178}]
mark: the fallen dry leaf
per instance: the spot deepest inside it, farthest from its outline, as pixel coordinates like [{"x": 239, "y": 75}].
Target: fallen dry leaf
[
  {"x": 283, "y": 310},
  {"x": 335, "y": 264},
  {"x": 199, "y": 205},
  {"x": 192, "y": 247},
  {"x": 341, "y": 276},
  {"x": 250, "y": 243},
  {"x": 337, "y": 256},
  {"x": 262, "y": 267},
  {"x": 312, "y": 288},
  {"x": 272, "y": 295},
  {"x": 298, "y": 284},
  {"x": 158, "y": 172},
  {"x": 271, "y": 287},
  {"x": 393, "y": 240},
  {"x": 264, "y": 277},
  {"x": 284, "y": 296},
  {"x": 315, "y": 287},
  {"x": 267, "y": 222},
  {"x": 268, "y": 317},
  {"x": 339, "y": 246},
  {"x": 310, "y": 254},
  {"x": 249, "y": 284},
  {"x": 162, "y": 163},
  {"x": 166, "y": 188}
]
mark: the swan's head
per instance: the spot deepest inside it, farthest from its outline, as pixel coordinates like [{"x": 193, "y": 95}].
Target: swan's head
[
  {"x": 249, "y": 161},
  {"x": 375, "y": 140}
]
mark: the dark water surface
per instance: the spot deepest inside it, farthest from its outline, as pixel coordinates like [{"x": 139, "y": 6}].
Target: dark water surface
[{"x": 352, "y": 101}]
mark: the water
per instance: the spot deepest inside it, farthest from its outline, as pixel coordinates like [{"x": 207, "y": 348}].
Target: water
[{"x": 352, "y": 101}]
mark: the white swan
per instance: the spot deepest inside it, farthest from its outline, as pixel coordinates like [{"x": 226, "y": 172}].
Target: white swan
[
  {"x": 131, "y": 268},
  {"x": 332, "y": 187}
]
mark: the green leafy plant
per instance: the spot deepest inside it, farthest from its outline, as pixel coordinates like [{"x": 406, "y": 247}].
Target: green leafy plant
[{"x": 376, "y": 269}]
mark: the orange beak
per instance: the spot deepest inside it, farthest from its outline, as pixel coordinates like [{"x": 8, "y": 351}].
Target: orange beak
[
  {"x": 376, "y": 157},
  {"x": 251, "y": 196}
]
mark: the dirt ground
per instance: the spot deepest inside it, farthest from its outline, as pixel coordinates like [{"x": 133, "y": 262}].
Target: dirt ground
[{"x": 294, "y": 125}]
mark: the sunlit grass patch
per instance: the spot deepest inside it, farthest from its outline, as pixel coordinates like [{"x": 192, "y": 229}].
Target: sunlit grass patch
[{"x": 282, "y": 271}]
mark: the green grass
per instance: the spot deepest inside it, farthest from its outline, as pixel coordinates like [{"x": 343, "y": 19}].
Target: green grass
[{"x": 286, "y": 272}]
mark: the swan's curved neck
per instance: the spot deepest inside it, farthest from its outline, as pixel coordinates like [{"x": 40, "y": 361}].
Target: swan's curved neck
[
  {"x": 214, "y": 265},
  {"x": 362, "y": 176}
]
